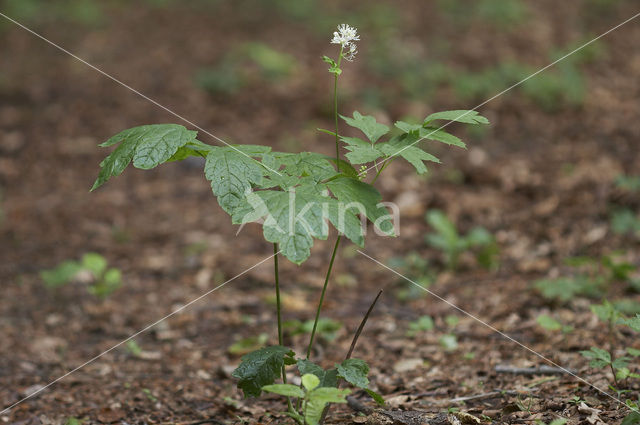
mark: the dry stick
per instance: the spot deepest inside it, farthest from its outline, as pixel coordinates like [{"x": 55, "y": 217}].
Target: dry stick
[{"x": 353, "y": 344}]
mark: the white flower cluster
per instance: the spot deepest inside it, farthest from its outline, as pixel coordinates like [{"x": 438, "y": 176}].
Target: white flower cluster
[{"x": 345, "y": 37}]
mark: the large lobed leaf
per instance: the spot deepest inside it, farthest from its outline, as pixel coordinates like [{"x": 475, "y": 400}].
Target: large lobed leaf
[
  {"x": 232, "y": 175},
  {"x": 261, "y": 368},
  {"x": 147, "y": 146}
]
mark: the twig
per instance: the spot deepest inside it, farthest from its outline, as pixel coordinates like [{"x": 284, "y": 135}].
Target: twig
[
  {"x": 540, "y": 370},
  {"x": 353, "y": 345},
  {"x": 359, "y": 330}
]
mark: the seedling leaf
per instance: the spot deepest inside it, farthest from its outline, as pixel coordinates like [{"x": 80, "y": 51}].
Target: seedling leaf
[{"x": 261, "y": 368}]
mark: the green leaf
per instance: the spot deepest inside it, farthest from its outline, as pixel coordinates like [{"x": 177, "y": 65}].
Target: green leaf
[
  {"x": 633, "y": 323},
  {"x": 352, "y": 192},
  {"x": 328, "y": 378},
  {"x": 355, "y": 372},
  {"x": 404, "y": 148},
  {"x": 442, "y": 136},
  {"x": 346, "y": 168},
  {"x": 294, "y": 218},
  {"x": 147, "y": 146},
  {"x": 231, "y": 174},
  {"x": 95, "y": 263},
  {"x": 314, "y": 165},
  {"x": 549, "y": 323},
  {"x": 375, "y": 396},
  {"x": 185, "y": 152},
  {"x": 318, "y": 400},
  {"x": 310, "y": 381},
  {"x": 368, "y": 125},
  {"x": 360, "y": 151},
  {"x": 61, "y": 275},
  {"x": 633, "y": 351},
  {"x": 261, "y": 368},
  {"x": 284, "y": 389},
  {"x": 463, "y": 116},
  {"x": 407, "y": 127},
  {"x": 632, "y": 418},
  {"x": 599, "y": 357}
]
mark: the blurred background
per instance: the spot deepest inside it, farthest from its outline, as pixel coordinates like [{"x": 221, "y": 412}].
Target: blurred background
[{"x": 554, "y": 176}]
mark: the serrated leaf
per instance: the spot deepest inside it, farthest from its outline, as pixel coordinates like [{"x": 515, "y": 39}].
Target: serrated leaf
[
  {"x": 360, "y": 151},
  {"x": 231, "y": 174},
  {"x": 147, "y": 146},
  {"x": 314, "y": 165},
  {"x": 294, "y": 218},
  {"x": 405, "y": 148},
  {"x": 318, "y": 400},
  {"x": 407, "y": 127},
  {"x": 261, "y": 368},
  {"x": 355, "y": 372},
  {"x": 185, "y": 152},
  {"x": 463, "y": 116},
  {"x": 368, "y": 125},
  {"x": 345, "y": 168},
  {"x": 633, "y": 351},
  {"x": 633, "y": 323},
  {"x": 285, "y": 390},
  {"x": 354, "y": 192},
  {"x": 442, "y": 136},
  {"x": 599, "y": 357},
  {"x": 328, "y": 378}
]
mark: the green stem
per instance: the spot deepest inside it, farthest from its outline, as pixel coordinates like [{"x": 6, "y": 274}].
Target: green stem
[
  {"x": 279, "y": 313},
  {"x": 335, "y": 109},
  {"x": 324, "y": 290},
  {"x": 384, "y": 165}
]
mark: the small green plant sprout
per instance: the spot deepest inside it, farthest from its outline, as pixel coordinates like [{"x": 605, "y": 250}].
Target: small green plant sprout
[
  {"x": 448, "y": 240},
  {"x": 314, "y": 397},
  {"x": 601, "y": 358},
  {"x": 249, "y": 344},
  {"x": 550, "y": 324},
  {"x": 92, "y": 268},
  {"x": 326, "y": 328},
  {"x": 590, "y": 278},
  {"x": 625, "y": 222},
  {"x": 628, "y": 183},
  {"x": 416, "y": 268},
  {"x": 245, "y": 65},
  {"x": 295, "y": 196},
  {"x": 632, "y": 418},
  {"x": 422, "y": 324},
  {"x": 557, "y": 421}
]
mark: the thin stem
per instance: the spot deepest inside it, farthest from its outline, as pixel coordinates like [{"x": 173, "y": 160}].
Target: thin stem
[
  {"x": 361, "y": 327},
  {"x": 335, "y": 109},
  {"x": 324, "y": 290},
  {"x": 384, "y": 165},
  {"x": 279, "y": 313}
]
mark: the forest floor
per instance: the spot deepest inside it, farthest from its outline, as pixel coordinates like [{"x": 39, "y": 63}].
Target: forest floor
[{"x": 542, "y": 181}]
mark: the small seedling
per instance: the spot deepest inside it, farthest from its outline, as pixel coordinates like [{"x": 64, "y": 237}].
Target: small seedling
[
  {"x": 416, "y": 268},
  {"x": 423, "y": 324},
  {"x": 103, "y": 280},
  {"x": 601, "y": 358},
  {"x": 325, "y": 328},
  {"x": 249, "y": 344},
  {"x": 590, "y": 278},
  {"x": 134, "y": 348},
  {"x": 448, "y": 240},
  {"x": 549, "y": 323},
  {"x": 314, "y": 397}
]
